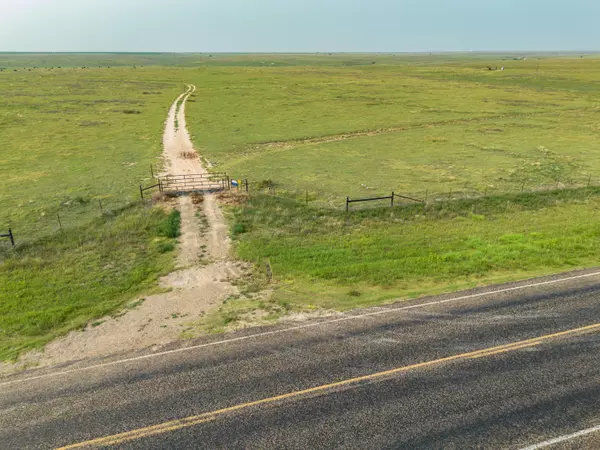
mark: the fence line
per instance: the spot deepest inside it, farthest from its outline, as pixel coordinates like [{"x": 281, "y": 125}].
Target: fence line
[
  {"x": 61, "y": 218},
  {"x": 70, "y": 213},
  {"x": 426, "y": 197},
  {"x": 10, "y": 236},
  {"x": 370, "y": 199},
  {"x": 389, "y": 197},
  {"x": 144, "y": 189}
]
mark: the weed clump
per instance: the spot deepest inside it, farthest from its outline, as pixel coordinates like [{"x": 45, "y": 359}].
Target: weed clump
[
  {"x": 265, "y": 184},
  {"x": 238, "y": 228},
  {"x": 170, "y": 227},
  {"x": 165, "y": 247}
]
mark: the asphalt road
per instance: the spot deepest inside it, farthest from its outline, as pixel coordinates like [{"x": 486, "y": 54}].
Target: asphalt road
[{"x": 504, "y": 369}]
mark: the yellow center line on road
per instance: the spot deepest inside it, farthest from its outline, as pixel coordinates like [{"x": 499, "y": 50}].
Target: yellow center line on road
[{"x": 178, "y": 424}]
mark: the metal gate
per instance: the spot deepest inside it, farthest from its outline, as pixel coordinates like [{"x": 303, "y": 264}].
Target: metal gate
[{"x": 190, "y": 182}]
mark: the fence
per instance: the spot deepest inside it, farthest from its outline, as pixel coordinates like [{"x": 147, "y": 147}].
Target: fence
[
  {"x": 144, "y": 189},
  {"x": 60, "y": 217},
  {"x": 427, "y": 197},
  {"x": 10, "y": 236},
  {"x": 372, "y": 199},
  {"x": 74, "y": 211}
]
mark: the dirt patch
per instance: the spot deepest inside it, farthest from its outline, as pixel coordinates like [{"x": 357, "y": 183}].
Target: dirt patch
[
  {"x": 197, "y": 198},
  {"x": 188, "y": 155},
  {"x": 232, "y": 198}
]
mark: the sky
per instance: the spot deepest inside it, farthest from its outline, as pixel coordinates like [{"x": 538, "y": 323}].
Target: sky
[{"x": 299, "y": 25}]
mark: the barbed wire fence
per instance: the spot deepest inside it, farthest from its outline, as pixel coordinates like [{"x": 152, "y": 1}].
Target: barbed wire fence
[
  {"x": 407, "y": 197},
  {"x": 56, "y": 217}
]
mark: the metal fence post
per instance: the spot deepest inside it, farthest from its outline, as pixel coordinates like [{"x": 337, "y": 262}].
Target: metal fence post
[
  {"x": 12, "y": 238},
  {"x": 392, "y": 200},
  {"x": 59, "y": 222},
  {"x": 246, "y": 180},
  {"x": 347, "y": 203},
  {"x": 141, "y": 192}
]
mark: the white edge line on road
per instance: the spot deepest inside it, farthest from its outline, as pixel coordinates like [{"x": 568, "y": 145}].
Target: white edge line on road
[
  {"x": 566, "y": 437},
  {"x": 299, "y": 327}
]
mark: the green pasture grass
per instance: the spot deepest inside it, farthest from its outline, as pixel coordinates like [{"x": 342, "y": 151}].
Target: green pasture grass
[
  {"x": 59, "y": 283},
  {"x": 246, "y": 112},
  {"x": 333, "y": 259},
  {"x": 491, "y": 155},
  {"x": 72, "y": 139}
]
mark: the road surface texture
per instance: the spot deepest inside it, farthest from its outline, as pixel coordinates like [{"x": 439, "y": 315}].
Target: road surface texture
[{"x": 513, "y": 366}]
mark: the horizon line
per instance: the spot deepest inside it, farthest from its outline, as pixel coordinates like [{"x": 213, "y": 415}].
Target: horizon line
[{"x": 438, "y": 52}]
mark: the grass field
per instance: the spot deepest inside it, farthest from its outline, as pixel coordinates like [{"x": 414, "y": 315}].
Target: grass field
[
  {"x": 351, "y": 130},
  {"x": 441, "y": 128},
  {"x": 333, "y": 125}
]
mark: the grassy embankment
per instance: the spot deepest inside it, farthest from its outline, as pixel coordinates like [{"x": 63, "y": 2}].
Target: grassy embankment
[
  {"x": 72, "y": 138},
  {"x": 409, "y": 128}
]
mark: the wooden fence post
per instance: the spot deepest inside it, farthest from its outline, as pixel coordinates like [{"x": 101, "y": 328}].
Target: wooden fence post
[{"x": 246, "y": 180}]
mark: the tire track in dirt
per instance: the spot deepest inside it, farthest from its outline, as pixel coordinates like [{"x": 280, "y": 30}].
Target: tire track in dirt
[{"x": 286, "y": 144}]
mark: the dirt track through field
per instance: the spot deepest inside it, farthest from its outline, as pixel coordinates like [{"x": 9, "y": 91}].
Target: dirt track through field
[
  {"x": 203, "y": 279},
  {"x": 292, "y": 143}
]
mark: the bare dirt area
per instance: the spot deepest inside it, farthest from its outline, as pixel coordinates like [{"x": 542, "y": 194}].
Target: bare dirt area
[{"x": 204, "y": 278}]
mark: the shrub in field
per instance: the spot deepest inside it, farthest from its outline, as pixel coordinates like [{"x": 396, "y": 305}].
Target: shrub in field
[
  {"x": 170, "y": 227},
  {"x": 265, "y": 184},
  {"x": 238, "y": 228}
]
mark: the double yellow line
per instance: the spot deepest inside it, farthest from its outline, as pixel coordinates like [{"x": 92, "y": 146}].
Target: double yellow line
[{"x": 209, "y": 416}]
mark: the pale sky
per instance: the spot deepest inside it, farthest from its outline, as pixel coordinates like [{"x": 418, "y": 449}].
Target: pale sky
[{"x": 299, "y": 25}]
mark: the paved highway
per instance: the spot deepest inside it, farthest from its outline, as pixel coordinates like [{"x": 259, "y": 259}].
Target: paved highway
[{"x": 513, "y": 366}]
